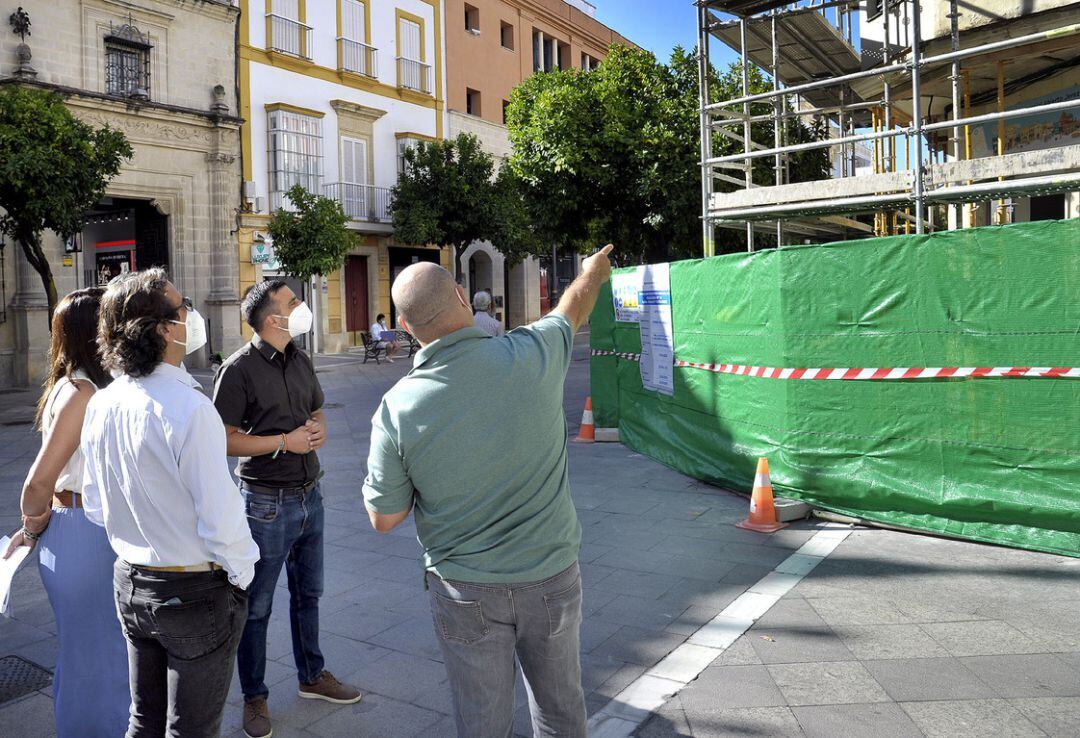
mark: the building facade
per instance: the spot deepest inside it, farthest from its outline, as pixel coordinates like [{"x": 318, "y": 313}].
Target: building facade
[
  {"x": 491, "y": 47},
  {"x": 163, "y": 73},
  {"x": 332, "y": 92}
]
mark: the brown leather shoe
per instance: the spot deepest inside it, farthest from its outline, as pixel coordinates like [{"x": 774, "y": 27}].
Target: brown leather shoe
[
  {"x": 257, "y": 719},
  {"x": 326, "y": 687}
]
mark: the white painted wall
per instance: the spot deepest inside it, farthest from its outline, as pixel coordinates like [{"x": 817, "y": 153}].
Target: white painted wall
[{"x": 276, "y": 85}]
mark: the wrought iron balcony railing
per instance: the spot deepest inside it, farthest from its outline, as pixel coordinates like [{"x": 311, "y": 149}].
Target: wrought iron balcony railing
[
  {"x": 414, "y": 75},
  {"x": 288, "y": 36},
  {"x": 358, "y": 58},
  {"x": 360, "y": 201}
]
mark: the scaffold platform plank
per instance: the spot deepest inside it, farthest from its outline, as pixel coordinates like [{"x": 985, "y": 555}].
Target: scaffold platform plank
[{"x": 810, "y": 48}]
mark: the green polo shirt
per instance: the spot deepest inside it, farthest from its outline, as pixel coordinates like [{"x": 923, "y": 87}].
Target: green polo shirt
[{"x": 474, "y": 435}]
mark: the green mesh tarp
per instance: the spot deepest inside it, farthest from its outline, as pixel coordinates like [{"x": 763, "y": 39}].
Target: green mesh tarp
[{"x": 990, "y": 459}]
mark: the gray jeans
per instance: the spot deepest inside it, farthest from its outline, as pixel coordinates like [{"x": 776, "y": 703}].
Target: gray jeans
[
  {"x": 481, "y": 627},
  {"x": 182, "y": 630}
]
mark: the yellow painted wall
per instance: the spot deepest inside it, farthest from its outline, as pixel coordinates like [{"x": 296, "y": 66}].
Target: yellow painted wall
[{"x": 333, "y": 302}]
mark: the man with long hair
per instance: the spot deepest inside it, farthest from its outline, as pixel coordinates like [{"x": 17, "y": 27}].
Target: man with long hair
[{"x": 157, "y": 478}]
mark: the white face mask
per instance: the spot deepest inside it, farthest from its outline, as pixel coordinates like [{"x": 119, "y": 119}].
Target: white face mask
[
  {"x": 196, "y": 331},
  {"x": 300, "y": 320}
]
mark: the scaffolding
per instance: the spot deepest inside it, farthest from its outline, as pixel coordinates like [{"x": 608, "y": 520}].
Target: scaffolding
[{"x": 874, "y": 95}]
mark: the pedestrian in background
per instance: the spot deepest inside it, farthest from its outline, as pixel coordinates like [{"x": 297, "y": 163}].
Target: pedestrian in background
[
  {"x": 90, "y": 680},
  {"x": 157, "y": 478},
  {"x": 271, "y": 402},
  {"x": 377, "y": 328},
  {"x": 501, "y": 538},
  {"x": 481, "y": 303}
]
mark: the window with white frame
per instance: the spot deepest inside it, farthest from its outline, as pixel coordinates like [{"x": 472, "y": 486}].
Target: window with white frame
[
  {"x": 404, "y": 144},
  {"x": 356, "y": 55},
  {"x": 354, "y": 176},
  {"x": 412, "y": 71},
  {"x": 287, "y": 32},
  {"x": 294, "y": 152}
]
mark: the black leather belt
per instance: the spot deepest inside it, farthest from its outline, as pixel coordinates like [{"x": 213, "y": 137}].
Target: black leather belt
[{"x": 263, "y": 489}]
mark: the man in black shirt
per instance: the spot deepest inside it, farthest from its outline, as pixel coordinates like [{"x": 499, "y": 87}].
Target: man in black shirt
[{"x": 270, "y": 401}]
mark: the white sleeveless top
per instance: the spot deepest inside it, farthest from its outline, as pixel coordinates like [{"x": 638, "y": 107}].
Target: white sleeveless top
[{"x": 71, "y": 475}]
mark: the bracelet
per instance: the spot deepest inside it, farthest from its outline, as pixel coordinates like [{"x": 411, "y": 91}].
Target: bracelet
[
  {"x": 280, "y": 448},
  {"x": 28, "y": 534}
]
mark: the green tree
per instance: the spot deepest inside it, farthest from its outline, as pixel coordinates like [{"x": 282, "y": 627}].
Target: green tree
[
  {"x": 613, "y": 154},
  {"x": 448, "y": 195},
  {"x": 53, "y": 169},
  {"x": 311, "y": 237}
]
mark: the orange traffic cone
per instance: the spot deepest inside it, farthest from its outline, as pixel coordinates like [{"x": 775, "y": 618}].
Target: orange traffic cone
[
  {"x": 762, "y": 513},
  {"x": 587, "y": 434}
]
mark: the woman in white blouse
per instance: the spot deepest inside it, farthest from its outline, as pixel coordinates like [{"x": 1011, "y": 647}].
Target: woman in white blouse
[{"x": 90, "y": 682}]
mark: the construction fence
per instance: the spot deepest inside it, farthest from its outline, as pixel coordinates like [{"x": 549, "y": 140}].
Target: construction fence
[{"x": 930, "y": 382}]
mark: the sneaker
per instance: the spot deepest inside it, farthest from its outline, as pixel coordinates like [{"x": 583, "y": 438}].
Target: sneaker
[
  {"x": 326, "y": 687},
  {"x": 257, "y": 719},
  {"x": 389, "y": 359}
]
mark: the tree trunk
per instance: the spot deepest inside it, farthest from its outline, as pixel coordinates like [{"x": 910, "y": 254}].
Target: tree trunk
[{"x": 31, "y": 246}]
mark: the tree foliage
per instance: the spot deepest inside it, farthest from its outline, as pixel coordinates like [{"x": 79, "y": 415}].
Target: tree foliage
[
  {"x": 449, "y": 195},
  {"x": 311, "y": 238},
  {"x": 53, "y": 169},
  {"x": 614, "y": 154}
]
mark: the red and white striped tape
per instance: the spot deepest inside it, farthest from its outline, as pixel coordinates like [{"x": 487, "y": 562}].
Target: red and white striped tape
[{"x": 878, "y": 373}]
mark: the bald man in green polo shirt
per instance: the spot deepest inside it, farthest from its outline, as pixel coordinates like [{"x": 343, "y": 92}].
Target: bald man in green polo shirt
[{"x": 473, "y": 441}]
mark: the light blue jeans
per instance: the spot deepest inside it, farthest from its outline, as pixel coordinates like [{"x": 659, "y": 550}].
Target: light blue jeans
[
  {"x": 482, "y": 627},
  {"x": 90, "y": 683}
]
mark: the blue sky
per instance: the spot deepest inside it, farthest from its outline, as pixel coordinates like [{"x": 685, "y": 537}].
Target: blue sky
[{"x": 657, "y": 25}]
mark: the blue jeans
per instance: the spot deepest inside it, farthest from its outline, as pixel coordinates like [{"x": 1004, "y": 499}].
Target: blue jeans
[
  {"x": 288, "y": 529},
  {"x": 482, "y": 627}
]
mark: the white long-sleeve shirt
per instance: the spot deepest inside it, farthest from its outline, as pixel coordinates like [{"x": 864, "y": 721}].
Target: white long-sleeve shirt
[{"x": 157, "y": 478}]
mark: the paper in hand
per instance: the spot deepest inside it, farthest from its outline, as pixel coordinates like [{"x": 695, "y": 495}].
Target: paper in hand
[{"x": 8, "y": 567}]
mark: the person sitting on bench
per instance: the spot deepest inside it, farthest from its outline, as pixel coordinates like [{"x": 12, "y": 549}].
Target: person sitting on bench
[{"x": 384, "y": 338}]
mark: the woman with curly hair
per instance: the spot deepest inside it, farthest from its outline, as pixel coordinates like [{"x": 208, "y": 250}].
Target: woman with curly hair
[{"x": 90, "y": 695}]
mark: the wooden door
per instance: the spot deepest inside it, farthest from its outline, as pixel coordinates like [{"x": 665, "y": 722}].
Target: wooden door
[{"x": 356, "y": 294}]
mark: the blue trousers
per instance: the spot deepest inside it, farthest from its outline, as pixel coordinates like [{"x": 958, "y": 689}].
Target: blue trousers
[
  {"x": 90, "y": 682},
  {"x": 288, "y": 529}
]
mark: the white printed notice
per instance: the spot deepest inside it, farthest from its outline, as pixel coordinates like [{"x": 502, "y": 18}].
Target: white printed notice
[
  {"x": 626, "y": 294},
  {"x": 657, "y": 340},
  {"x": 7, "y": 572}
]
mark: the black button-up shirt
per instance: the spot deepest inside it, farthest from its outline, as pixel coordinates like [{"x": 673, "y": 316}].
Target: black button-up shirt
[{"x": 265, "y": 392}]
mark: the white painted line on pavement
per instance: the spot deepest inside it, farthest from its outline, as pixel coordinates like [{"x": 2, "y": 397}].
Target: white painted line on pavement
[
  {"x": 799, "y": 563},
  {"x": 620, "y": 717},
  {"x": 776, "y": 583},
  {"x": 720, "y": 632},
  {"x": 686, "y": 662},
  {"x": 750, "y": 605}
]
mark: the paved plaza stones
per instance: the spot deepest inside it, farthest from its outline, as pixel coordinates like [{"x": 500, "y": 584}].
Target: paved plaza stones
[{"x": 893, "y": 634}]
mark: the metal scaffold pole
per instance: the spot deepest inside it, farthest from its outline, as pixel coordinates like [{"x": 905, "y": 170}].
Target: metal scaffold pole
[
  {"x": 954, "y": 18},
  {"x": 778, "y": 107},
  {"x": 708, "y": 245},
  {"x": 746, "y": 125},
  {"x": 916, "y": 116}
]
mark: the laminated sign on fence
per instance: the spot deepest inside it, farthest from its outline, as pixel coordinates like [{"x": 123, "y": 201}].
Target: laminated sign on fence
[
  {"x": 643, "y": 296},
  {"x": 927, "y": 381}
]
